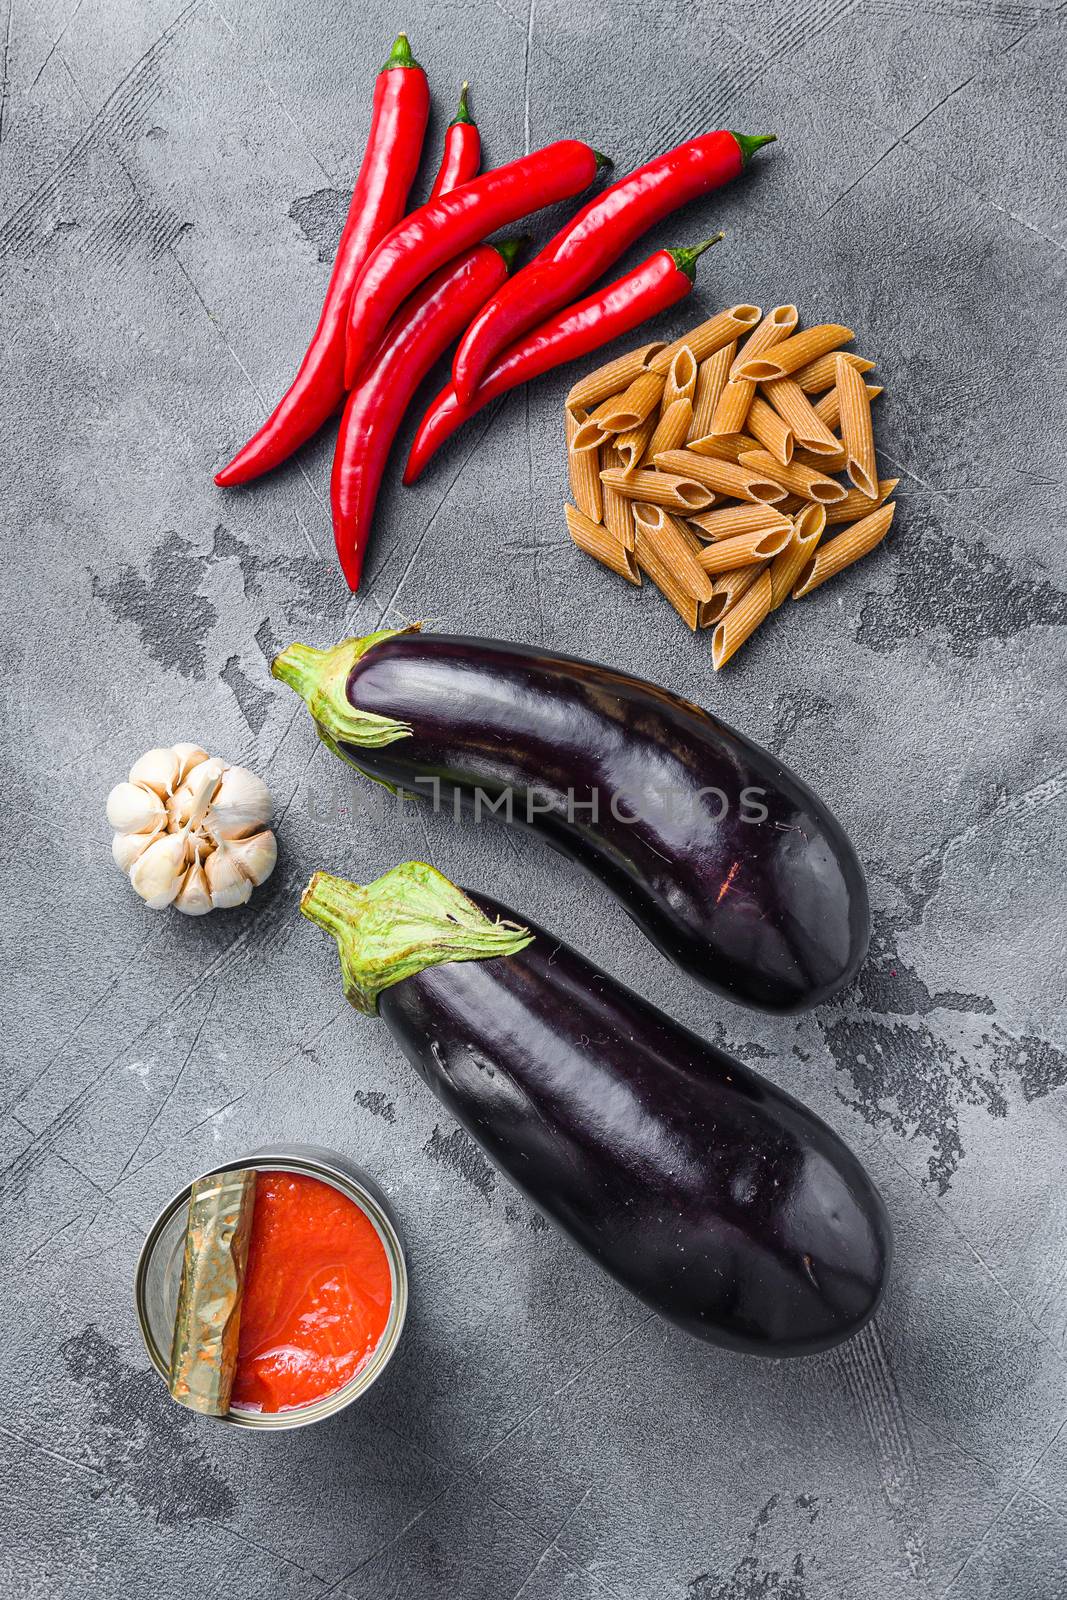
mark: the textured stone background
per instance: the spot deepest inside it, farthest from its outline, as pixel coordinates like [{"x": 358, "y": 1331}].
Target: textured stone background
[{"x": 174, "y": 180}]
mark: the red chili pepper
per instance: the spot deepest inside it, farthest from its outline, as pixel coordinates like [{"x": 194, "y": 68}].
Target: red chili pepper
[
  {"x": 390, "y": 161},
  {"x": 594, "y": 239},
  {"x": 418, "y": 336},
  {"x": 656, "y": 284},
  {"x": 463, "y": 150},
  {"x": 442, "y": 228}
]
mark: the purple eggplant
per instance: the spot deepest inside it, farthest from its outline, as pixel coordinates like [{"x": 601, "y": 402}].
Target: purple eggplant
[
  {"x": 714, "y": 1196},
  {"x": 726, "y": 860}
]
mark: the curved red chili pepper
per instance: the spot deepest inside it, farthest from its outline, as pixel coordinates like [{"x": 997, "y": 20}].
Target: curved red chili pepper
[
  {"x": 442, "y": 228},
  {"x": 463, "y": 150},
  {"x": 390, "y": 161},
  {"x": 418, "y": 336},
  {"x": 656, "y": 284},
  {"x": 594, "y": 239}
]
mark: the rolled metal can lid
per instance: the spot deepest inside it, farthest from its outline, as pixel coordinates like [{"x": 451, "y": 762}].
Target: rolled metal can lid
[{"x": 207, "y": 1323}]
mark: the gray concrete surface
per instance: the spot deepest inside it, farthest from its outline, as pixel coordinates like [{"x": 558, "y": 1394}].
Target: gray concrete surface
[{"x": 173, "y": 181}]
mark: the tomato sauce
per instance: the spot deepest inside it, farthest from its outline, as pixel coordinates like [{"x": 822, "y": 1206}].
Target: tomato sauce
[{"x": 316, "y": 1298}]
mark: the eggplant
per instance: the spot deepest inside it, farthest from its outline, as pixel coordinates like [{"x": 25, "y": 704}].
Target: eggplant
[
  {"x": 729, "y": 863},
  {"x": 718, "y": 1199}
]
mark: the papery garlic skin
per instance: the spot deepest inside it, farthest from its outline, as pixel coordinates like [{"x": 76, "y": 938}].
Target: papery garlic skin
[
  {"x": 229, "y": 886},
  {"x": 241, "y": 803},
  {"x": 132, "y": 809},
  {"x": 157, "y": 873},
  {"x": 157, "y": 770},
  {"x": 191, "y": 831}
]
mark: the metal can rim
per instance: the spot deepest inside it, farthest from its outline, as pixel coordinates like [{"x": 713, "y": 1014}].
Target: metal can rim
[{"x": 344, "y": 1175}]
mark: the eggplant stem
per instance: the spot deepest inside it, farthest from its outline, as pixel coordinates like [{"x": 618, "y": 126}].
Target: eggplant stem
[
  {"x": 409, "y": 919},
  {"x": 320, "y": 678}
]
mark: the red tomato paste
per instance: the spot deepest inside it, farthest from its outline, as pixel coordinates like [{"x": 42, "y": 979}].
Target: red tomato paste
[{"x": 316, "y": 1297}]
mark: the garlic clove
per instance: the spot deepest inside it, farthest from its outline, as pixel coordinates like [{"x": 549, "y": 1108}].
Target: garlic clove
[
  {"x": 189, "y": 756},
  {"x": 127, "y": 847},
  {"x": 157, "y": 770},
  {"x": 228, "y": 884},
  {"x": 255, "y": 856},
  {"x": 241, "y": 804},
  {"x": 157, "y": 873},
  {"x": 185, "y": 800},
  {"x": 133, "y": 809},
  {"x": 194, "y": 896}
]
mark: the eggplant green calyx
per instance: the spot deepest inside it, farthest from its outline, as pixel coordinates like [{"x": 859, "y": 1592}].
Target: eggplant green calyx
[
  {"x": 686, "y": 258},
  {"x": 320, "y": 678},
  {"x": 751, "y": 142},
  {"x": 400, "y": 55},
  {"x": 407, "y": 920}
]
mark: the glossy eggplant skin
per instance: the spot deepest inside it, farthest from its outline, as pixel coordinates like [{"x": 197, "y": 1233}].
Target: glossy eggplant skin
[
  {"x": 771, "y": 911},
  {"x": 719, "y": 1200}
]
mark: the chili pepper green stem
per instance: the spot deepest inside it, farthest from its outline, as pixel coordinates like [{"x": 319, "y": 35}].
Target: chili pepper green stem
[
  {"x": 463, "y": 114},
  {"x": 400, "y": 55},
  {"x": 751, "y": 142},
  {"x": 320, "y": 678},
  {"x": 602, "y": 161},
  {"x": 407, "y": 920},
  {"x": 686, "y": 258},
  {"x": 509, "y": 249}
]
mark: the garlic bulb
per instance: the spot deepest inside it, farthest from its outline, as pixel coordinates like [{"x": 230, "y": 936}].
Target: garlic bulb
[{"x": 191, "y": 831}]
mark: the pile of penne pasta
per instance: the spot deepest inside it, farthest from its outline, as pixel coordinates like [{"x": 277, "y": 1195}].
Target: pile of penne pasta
[{"x": 709, "y": 465}]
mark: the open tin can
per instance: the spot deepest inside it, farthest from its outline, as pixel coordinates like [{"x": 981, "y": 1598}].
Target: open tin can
[{"x": 159, "y": 1271}]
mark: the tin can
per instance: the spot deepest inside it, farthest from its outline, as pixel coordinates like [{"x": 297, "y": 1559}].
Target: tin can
[{"x": 159, "y": 1270}]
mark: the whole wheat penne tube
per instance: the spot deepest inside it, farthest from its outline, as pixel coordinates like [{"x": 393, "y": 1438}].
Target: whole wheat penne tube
[
  {"x": 858, "y": 505},
  {"x": 772, "y": 431},
  {"x": 730, "y": 586},
  {"x": 618, "y": 511},
  {"x": 712, "y": 374},
  {"x": 804, "y": 481},
  {"x": 629, "y": 409},
  {"x": 822, "y": 373},
  {"x": 664, "y": 553},
  {"x": 793, "y": 354},
  {"x": 828, "y": 409},
  {"x": 855, "y": 541},
  {"x": 731, "y": 521},
  {"x": 731, "y": 413},
  {"x": 681, "y": 379},
  {"x": 710, "y": 336},
  {"x": 612, "y": 378},
  {"x": 785, "y": 569},
  {"x": 791, "y": 504},
  {"x": 589, "y": 435},
  {"x": 741, "y": 621},
  {"x": 600, "y": 543},
  {"x": 671, "y": 429},
  {"x": 633, "y": 444},
  {"x": 722, "y": 447},
  {"x": 748, "y": 549},
  {"x": 583, "y": 470},
  {"x": 791, "y": 403},
  {"x": 777, "y": 326},
  {"x": 725, "y": 477},
  {"x": 670, "y": 490},
  {"x": 823, "y": 464},
  {"x": 857, "y": 431}
]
